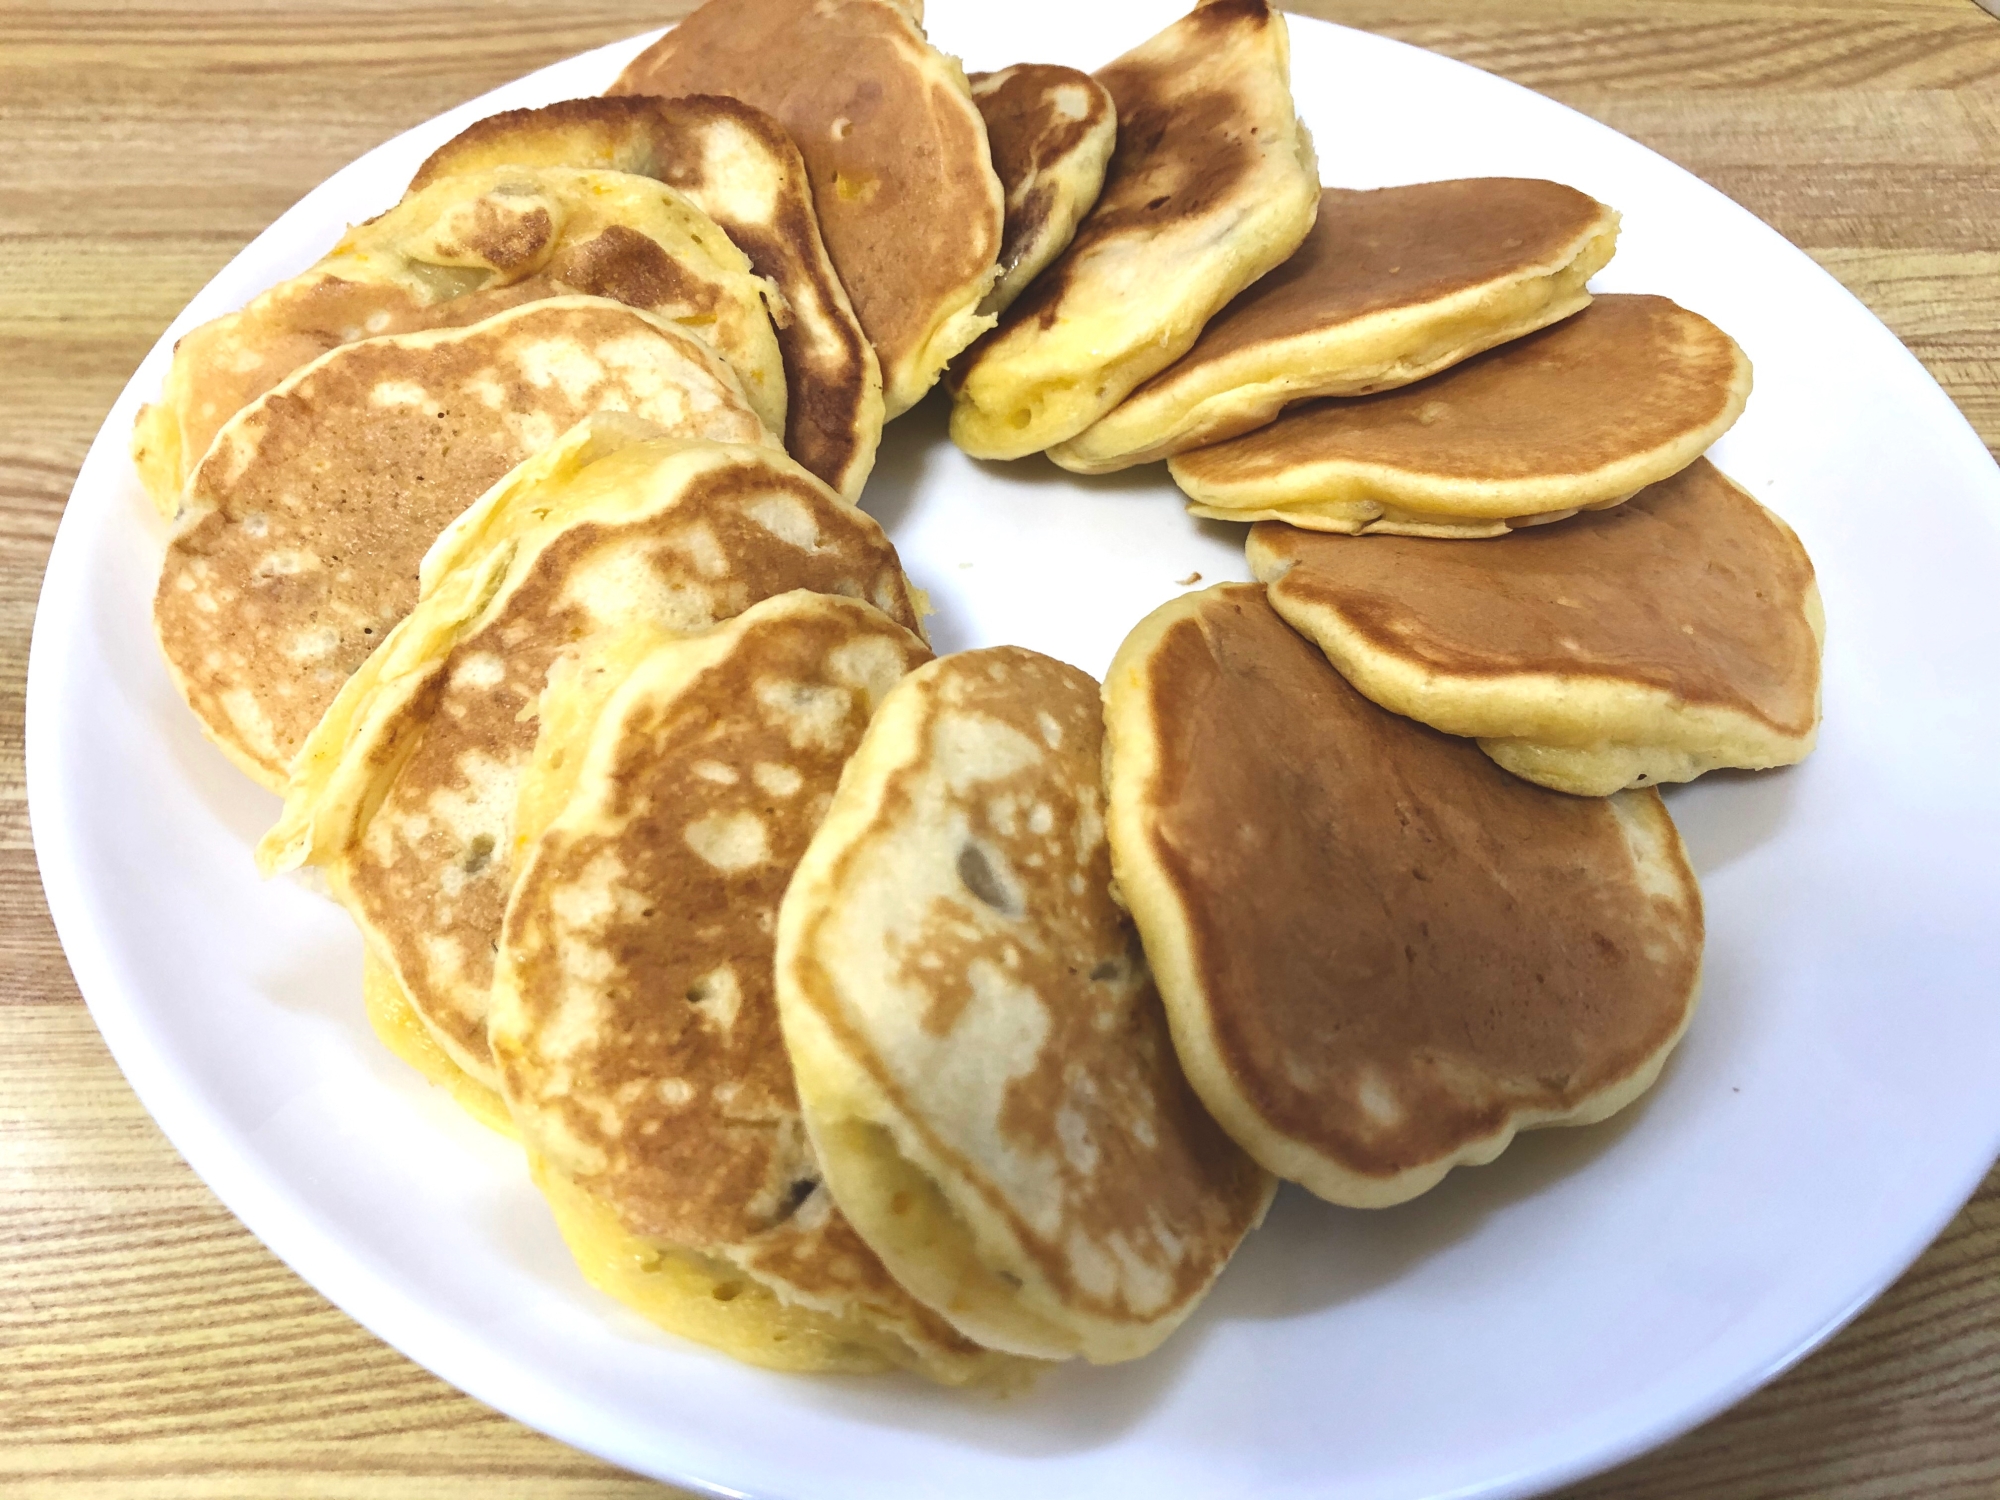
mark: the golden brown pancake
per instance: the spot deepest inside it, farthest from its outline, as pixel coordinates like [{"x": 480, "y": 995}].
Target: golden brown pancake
[
  {"x": 1675, "y": 634},
  {"x": 1381, "y": 955},
  {"x": 1392, "y": 285},
  {"x": 982, "y": 1059},
  {"x": 407, "y": 794},
  {"x": 901, "y": 176},
  {"x": 633, "y": 1023},
  {"x": 740, "y": 168},
  {"x": 1051, "y": 130},
  {"x": 455, "y": 254},
  {"x": 1212, "y": 184},
  {"x": 1580, "y": 416},
  {"x": 308, "y": 518}
]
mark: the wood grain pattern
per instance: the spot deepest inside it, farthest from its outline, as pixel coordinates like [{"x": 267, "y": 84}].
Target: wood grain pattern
[{"x": 148, "y": 1346}]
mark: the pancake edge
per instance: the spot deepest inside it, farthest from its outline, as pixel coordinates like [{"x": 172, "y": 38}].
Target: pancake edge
[{"x": 1380, "y": 351}]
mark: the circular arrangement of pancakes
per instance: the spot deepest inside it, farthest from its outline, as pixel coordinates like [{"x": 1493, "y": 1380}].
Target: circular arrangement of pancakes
[
  {"x": 857, "y": 1010},
  {"x": 1671, "y": 636},
  {"x": 740, "y": 168},
  {"x": 307, "y": 520},
  {"x": 455, "y": 253},
  {"x": 901, "y": 172},
  {"x": 1051, "y": 131},
  {"x": 1578, "y": 416},
  {"x": 1213, "y": 183},
  {"x": 1392, "y": 285},
  {"x": 982, "y": 1059},
  {"x": 1381, "y": 955}
]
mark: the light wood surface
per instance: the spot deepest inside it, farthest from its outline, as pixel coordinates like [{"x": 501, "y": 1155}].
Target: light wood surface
[{"x": 149, "y": 1347}]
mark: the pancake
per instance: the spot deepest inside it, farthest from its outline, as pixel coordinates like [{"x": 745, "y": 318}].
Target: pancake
[
  {"x": 1580, "y": 416},
  {"x": 738, "y": 166},
  {"x": 307, "y": 519},
  {"x": 396, "y": 1024},
  {"x": 1212, "y": 184},
  {"x": 982, "y": 1059},
  {"x": 406, "y": 794},
  {"x": 1676, "y": 634},
  {"x": 1381, "y": 955},
  {"x": 633, "y": 1021},
  {"x": 1051, "y": 130},
  {"x": 455, "y": 254},
  {"x": 1392, "y": 285},
  {"x": 901, "y": 175}
]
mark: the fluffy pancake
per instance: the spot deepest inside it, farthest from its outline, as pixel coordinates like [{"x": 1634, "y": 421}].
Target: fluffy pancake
[
  {"x": 454, "y": 254},
  {"x": 1675, "y": 634},
  {"x": 633, "y": 1021},
  {"x": 1051, "y": 130},
  {"x": 1212, "y": 184},
  {"x": 901, "y": 174},
  {"x": 406, "y": 793},
  {"x": 307, "y": 519},
  {"x": 1381, "y": 955},
  {"x": 1576, "y": 417},
  {"x": 1392, "y": 285},
  {"x": 982, "y": 1059},
  {"x": 740, "y": 168}
]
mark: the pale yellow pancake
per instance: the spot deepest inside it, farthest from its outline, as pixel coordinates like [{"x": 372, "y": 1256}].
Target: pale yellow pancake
[
  {"x": 1212, "y": 184},
  {"x": 1674, "y": 635},
  {"x": 1381, "y": 955},
  {"x": 740, "y": 168},
  {"x": 633, "y": 1021},
  {"x": 455, "y": 254},
  {"x": 1580, "y": 416},
  {"x": 1051, "y": 130},
  {"x": 901, "y": 173},
  {"x": 1392, "y": 285}
]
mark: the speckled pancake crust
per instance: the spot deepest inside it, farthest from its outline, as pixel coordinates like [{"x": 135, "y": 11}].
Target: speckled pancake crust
[
  {"x": 633, "y": 1022},
  {"x": 901, "y": 174},
  {"x": 307, "y": 520},
  {"x": 1392, "y": 285},
  {"x": 982, "y": 1058},
  {"x": 1581, "y": 416},
  {"x": 740, "y": 168},
  {"x": 1381, "y": 955},
  {"x": 408, "y": 797},
  {"x": 1212, "y": 184},
  {"x": 1051, "y": 130},
  {"x": 1671, "y": 636},
  {"x": 455, "y": 254}
]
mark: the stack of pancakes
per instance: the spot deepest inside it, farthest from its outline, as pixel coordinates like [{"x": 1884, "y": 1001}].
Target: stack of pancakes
[{"x": 859, "y": 1009}]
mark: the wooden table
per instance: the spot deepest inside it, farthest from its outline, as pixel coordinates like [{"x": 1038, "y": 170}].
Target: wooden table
[{"x": 148, "y": 1345}]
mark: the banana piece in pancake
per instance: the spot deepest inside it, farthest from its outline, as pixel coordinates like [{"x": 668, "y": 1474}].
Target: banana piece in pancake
[
  {"x": 1392, "y": 285},
  {"x": 455, "y": 253},
  {"x": 308, "y": 518},
  {"x": 633, "y": 1022},
  {"x": 1676, "y": 634},
  {"x": 406, "y": 793},
  {"x": 982, "y": 1058},
  {"x": 1381, "y": 955},
  {"x": 1051, "y": 130},
  {"x": 1212, "y": 184},
  {"x": 740, "y": 168},
  {"x": 1580, "y": 416},
  {"x": 901, "y": 172}
]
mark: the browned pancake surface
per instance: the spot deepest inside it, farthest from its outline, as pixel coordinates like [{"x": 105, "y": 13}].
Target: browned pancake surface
[
  {"x": 900, "y": 168},
  {"x": 1033, "y": 133},
  {"x": 741, "y": 168},
  {"x": 433, "y": 876},
  {"x": 1626, "y": 375},
  {"x": 1401, "y": 945},
  {"x": 1393, "y": 247},
  {"x": 1690, "y": 587}
]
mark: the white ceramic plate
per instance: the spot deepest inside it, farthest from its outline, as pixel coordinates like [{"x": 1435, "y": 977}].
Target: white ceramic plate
[{"x": 1593, "y": 1293}]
